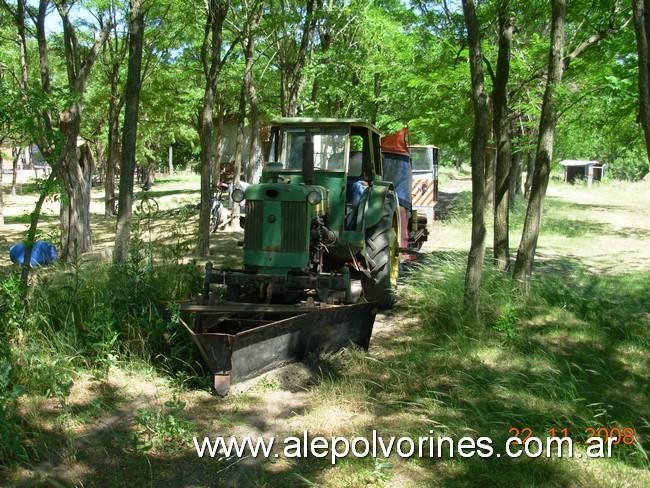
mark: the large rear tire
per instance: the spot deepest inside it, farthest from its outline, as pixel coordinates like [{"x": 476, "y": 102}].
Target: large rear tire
[{"x": 382, "y": 247}]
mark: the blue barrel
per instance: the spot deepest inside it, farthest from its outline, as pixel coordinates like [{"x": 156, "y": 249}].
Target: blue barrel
[{"x": 42, "y": 253}]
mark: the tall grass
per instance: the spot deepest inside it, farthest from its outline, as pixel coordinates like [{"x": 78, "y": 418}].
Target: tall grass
[{"x": 88, "y": 316}]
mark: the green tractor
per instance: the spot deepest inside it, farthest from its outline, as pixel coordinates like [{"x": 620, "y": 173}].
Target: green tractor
[{"x": 322, "y": 224}]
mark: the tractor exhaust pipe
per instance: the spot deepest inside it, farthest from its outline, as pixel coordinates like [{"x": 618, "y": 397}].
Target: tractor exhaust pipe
[{"x": 308, "y": 160}]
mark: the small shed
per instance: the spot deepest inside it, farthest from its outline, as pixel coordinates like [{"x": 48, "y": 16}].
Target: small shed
[{"x": 576, "y": 169}]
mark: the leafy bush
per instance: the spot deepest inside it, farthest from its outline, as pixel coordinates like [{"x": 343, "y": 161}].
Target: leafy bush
[
  {"x": 631, "y": 164},
  {"x": 164, "y": 430}
]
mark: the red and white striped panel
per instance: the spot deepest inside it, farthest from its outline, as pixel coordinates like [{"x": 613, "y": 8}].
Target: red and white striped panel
[{"x": 422, "y": 192}]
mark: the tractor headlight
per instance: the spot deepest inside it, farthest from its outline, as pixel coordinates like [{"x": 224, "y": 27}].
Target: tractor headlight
[
  {"x": 314, "y": 197},
  {"x": 237, "y": 195}
]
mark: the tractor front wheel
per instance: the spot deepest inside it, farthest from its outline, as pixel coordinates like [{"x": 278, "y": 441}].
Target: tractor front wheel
[{"x": 382, "y": 247}]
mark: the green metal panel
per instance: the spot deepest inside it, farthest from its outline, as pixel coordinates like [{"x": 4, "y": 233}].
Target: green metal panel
[
  {"x": 293, "y": 236},
  {"x": 277, "y": 229},
  {"x": 334, "y": 183},
  {"x": 254, "y": 220},
  {"x": 375, "y": 205}
]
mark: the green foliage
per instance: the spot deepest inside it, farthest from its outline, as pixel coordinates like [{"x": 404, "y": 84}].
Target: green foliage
[
  {"x": 630, "y": 164},
  {"x": 394, "y": 63},
  {"x": 11, "y": 447},
  {"x": 12, "y": 306},
  {"x": 507, "y": 322},
  {"x": 163, "y": 430}
]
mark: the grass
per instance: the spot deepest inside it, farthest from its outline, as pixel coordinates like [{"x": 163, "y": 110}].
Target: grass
[{"x": 110, "y": 410}]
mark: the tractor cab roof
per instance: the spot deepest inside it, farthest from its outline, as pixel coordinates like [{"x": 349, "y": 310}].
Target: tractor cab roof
[{"x": 322, "y": 121}]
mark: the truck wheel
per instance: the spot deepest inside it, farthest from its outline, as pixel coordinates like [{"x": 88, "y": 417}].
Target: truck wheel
[{"x": 382, "y": 248}]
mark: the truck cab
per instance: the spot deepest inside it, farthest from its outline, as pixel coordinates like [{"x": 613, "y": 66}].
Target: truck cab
[{"x": 424, "y": 159}]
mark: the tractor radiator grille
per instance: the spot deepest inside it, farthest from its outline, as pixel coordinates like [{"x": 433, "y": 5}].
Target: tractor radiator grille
[
  {"x": 294, "y": 226},
  {"x": 253, "y": 225}
]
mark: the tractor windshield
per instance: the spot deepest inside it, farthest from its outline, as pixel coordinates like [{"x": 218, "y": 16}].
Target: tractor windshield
[
  {"x": 288, "y": 146},
  {"x": 421, "y": 158}
]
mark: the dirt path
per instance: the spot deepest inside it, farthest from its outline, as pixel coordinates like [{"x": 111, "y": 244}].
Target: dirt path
[{"x": 448, "y": 194}]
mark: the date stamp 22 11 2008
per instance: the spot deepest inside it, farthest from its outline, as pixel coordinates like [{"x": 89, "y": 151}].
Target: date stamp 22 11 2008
[{"x": 618, "y": 435}]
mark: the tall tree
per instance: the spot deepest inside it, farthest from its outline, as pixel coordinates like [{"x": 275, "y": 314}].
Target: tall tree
[
  {"x": 129, "y": 131},
  {"x": 75, "y": 169},
  {"x": 544, "y": 155},
  {"x": 114, "y": 55},
  {"x": 293, "y": 53},
  {"x": 502, "y": 132},
  {"x": 251, "y": 93},
  {"x": 248, "y": 41},
  {"x": 212, "y": 60},
  {"x": 479, "y": 138},
  {"x": 641, "y": 11}
]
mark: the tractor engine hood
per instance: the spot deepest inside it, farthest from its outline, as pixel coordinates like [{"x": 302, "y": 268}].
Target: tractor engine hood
[
  {"x": 312, "y": 194},
  {"x": 277, "y": 230}
]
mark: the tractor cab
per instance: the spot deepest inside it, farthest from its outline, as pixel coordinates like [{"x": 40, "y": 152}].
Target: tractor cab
[{"x": 336, "y": 155}]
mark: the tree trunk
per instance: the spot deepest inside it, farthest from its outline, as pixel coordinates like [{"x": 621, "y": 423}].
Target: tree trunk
[
  {"x": 548, "y": 119},
  {"x": 641, "y": 22},
  {"x": 14, "y": 172},
  {"x": 129, "y": 132},
  {"x": 254, "y": 161},
  {"x": 530, "y": 171},
  {"x": 490, "y": 155},
  {"x": 170, "y": 160},
  {"x": 20, "y": 14},
  {"x": 151, "y": 173},
  {"x": 503, "y": 137},
  {"x": 76, "y": 163},
  {"x": 479, "y": 138},
  {"x": 239, "y": 146},
  {"x": 115, "y": 54},
  {"x": 292, "y": 76},
  {"x": 76, "y": 174},
  {"x": 207, "y": 158},
  {"x": 211, "y": 58},
  {"x": 112, "y": 160},
  {"x": 515, "y": 176},
  {"x": 249, "y": 53}
]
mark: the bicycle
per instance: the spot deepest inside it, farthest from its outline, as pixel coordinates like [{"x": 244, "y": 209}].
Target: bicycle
[
  {"x": 217, "y": 207},
  {"x": 147, "y": 206}
]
